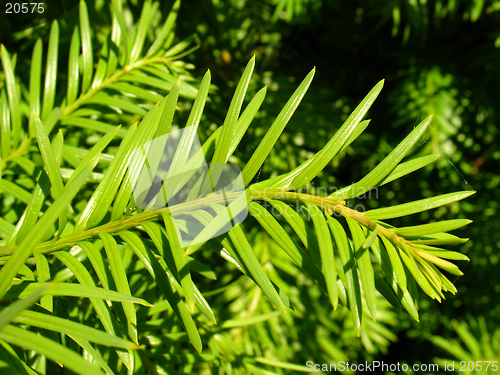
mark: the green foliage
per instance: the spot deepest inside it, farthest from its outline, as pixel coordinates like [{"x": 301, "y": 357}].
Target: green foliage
[
  {"x": 477, "y": 350},
  {"x": 304, "y": 283},
  {"x": 418, "y": 17}
]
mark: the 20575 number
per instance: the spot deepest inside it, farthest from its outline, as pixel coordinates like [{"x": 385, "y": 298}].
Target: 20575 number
[{"x": 24, "y": 8}]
